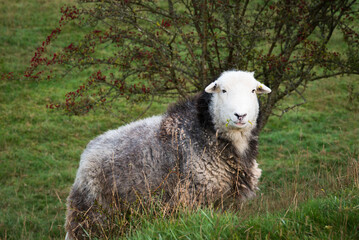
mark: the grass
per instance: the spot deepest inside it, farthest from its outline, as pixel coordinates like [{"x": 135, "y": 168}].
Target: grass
[
  {"x": 309, "y": 157},
  {"x": 331, "y": 217}
]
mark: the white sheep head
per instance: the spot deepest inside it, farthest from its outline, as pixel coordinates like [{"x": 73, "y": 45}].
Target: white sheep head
[{"x": 234, "y": 103}]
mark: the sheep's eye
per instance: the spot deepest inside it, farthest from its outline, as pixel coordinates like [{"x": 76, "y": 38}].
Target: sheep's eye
[
  {"x": 224, "y": 91},
  {"x": 253, "y": 91}
]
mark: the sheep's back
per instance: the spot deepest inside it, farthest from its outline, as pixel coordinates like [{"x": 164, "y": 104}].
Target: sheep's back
[{"x": 124, "y": 162}]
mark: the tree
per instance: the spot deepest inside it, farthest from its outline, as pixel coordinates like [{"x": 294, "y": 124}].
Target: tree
[{"x": 145, "y": 49}]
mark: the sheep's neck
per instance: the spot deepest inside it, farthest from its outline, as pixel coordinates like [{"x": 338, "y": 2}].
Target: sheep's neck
[{"x": 239, "y": 139}]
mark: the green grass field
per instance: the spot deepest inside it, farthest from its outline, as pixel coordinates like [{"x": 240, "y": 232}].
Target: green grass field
[{"x": 309, "y": 157}]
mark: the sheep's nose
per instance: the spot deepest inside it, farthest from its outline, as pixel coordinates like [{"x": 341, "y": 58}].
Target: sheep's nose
[{"x": 240, "y": 117}]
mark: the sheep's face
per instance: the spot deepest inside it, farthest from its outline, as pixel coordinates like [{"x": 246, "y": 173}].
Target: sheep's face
[{"x": 234, "y": 101}]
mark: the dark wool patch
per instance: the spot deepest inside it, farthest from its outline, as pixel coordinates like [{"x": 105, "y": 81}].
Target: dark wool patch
[{"x": 204, "y": 116}]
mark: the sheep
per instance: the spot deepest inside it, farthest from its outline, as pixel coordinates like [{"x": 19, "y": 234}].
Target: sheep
[{"x": 202, "y": 149}]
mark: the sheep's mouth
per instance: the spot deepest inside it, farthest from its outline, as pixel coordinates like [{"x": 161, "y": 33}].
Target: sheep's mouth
[
  {"x": 240, "y": 124},
  {"x": 236, "y": 124}
]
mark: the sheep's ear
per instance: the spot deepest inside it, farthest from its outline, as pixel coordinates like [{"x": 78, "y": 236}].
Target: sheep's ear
[
  {"x": 261, "y": 88},
  {"x": 211, "y": 88}
]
